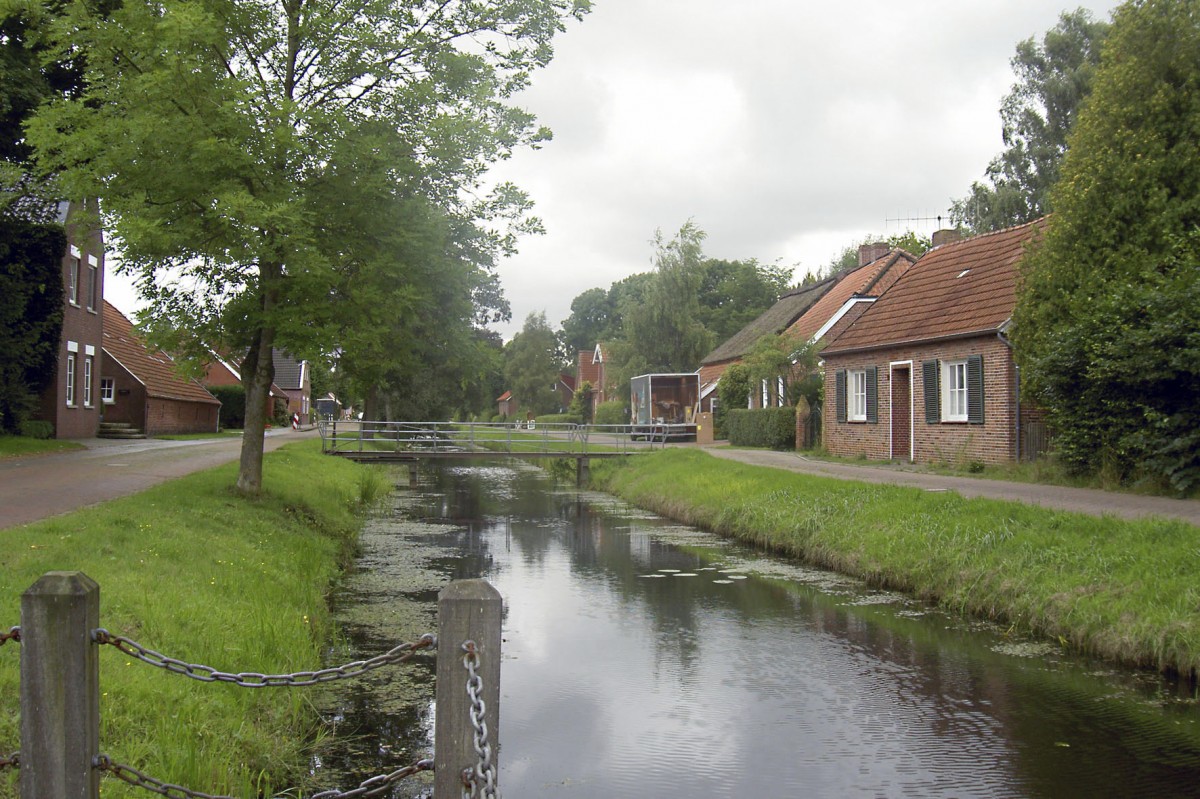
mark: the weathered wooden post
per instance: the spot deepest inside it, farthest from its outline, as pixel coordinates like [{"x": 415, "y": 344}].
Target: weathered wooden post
[
  {"x": 60, "y": 688},
  {"x": 468, "y": 610},
  {"x": 583, "y": 472}
]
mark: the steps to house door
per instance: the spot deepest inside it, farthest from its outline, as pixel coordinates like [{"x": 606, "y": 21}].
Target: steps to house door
[{"x": 119, "y": 430}]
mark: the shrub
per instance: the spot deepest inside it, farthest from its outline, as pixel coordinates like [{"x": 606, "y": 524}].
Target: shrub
[
  {"x": 499, "y": 418},
  {"x": 34, "y": 428},
  {"x": 612, "y": 412},
  {"x": 233, "y": 405},
  {"x": 762, "y": 427},
  {"x": 560, "y": 418}
]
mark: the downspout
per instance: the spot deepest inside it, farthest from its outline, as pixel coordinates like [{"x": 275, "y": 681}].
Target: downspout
[{"x": 1016, "y": 394}]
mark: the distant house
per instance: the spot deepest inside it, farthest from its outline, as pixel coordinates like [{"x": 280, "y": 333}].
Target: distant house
[
  {"x": 140, "y": 387},
  {"x": 927, "y": 373},
  {"x": 565, "y": 387},
  {"x": 72, "y": 403},
  {"x": 506, "y": 406},
  {"x": 816, "y": 313},
  {"x": 223, "y": 371},
  {"x": 293, "y": 377},
  {"x": 328, "y": 407},
  {"x": 592, "y": 368}
]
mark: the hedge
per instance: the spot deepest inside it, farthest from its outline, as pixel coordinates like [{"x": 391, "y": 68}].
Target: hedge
[
  {"x": 774, "y": 428},
  {"x": 611, "y": 412},
  {"x": 233, "y": 405}
]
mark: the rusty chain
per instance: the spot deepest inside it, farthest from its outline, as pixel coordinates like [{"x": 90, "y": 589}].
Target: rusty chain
[
  {"x": 10, "y": 761},
  {"x": 13, "y": 634},
  {"x": 374, "y": 786},
  {"x": 398, "y": 654},
  {"x": 479, "y": 781}
]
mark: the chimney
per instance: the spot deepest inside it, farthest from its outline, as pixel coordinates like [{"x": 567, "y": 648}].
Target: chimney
[
  {"x": 869, "y": 253},
  {"x": 941, "y": 237}
]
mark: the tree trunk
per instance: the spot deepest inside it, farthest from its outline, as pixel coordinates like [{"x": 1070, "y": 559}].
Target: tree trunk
[{"x": 258, "y": 372}]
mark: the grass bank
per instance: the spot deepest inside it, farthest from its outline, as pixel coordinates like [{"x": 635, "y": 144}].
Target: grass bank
[
  {"x": 1123, "y": 590},
  {"x": 18, "y": 446},
  {"x": 190, "y": 570}
]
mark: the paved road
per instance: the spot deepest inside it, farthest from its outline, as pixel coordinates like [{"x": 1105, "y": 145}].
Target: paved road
[
  {"x": 48, "y": 485},
  {"x": 1082, "y": 500}
]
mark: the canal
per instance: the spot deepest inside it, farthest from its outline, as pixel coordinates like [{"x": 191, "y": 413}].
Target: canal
[{"x": 643, "y": 659}]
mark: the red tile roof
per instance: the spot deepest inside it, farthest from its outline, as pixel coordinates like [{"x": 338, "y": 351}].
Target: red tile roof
[
  {"x": 964, "y": 288},
  {"x": 155, "y": 370},
  {"x": 862, "y": 282}
]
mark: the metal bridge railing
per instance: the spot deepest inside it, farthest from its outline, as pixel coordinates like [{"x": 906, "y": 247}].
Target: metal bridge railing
[
  {"x": 60, "y": 638},
  {"x": 556, "y": 439}
]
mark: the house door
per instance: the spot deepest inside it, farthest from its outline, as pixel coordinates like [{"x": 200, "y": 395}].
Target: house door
[{"x": 901, "y": 412}]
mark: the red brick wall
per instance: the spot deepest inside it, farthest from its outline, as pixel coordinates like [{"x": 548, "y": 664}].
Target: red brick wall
[
  {"x": 991, "y": 442},
  {"x": 129, "y": 396},
  {"x": 167, "y": 416},
  {"x": 83, "y": 326}
]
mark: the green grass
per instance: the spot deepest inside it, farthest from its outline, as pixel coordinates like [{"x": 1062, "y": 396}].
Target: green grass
[
  {"x": 18, "y": 446},
  {"x": 190, "y": 570},
  {"x": 1123, "y": 590}
]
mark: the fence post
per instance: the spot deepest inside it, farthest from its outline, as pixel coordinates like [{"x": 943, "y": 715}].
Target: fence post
[
  {"x": 468, "y": 610},
  {"x": 60, "y": 688}
]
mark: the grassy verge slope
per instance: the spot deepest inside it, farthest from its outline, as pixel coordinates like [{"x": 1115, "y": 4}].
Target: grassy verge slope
[
  {"x": 191, "y": 570},
  {"x": 1123, "y": 590}
]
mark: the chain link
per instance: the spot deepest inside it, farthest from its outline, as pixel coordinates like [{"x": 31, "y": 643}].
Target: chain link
[
  {"x": 374, "y": 786},
  {"x": 13, "y": 634},
  {"x": 10, "y": 761},
  {"x": 479, "y": 781},
  {"x": 398, "y": 654}
]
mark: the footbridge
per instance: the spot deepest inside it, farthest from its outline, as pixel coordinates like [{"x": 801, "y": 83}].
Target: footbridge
[{"x": 400, "y": 442}]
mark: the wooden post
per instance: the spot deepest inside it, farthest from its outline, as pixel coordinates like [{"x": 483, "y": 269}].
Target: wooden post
[
  {"x": 468, "y": 610},
  {"x": 60, "y": 688},
  {"x": 583, "y": 472}
]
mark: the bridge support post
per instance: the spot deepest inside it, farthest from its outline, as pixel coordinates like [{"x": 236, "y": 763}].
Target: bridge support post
[
  {"x": 60, "y": 687},
  {"x": 583, "y": 472}
]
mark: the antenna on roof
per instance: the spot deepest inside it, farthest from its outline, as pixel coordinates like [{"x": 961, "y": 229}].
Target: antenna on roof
[{"x": 908, "y": 222}]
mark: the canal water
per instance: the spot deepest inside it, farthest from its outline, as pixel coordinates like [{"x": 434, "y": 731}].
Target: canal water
[{"x": 643, "y": 658}]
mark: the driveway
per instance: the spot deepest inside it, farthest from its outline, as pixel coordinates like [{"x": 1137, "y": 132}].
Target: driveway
[
  {"x": 37, "y": 487},
  {"x": 1080, "y": 500}
]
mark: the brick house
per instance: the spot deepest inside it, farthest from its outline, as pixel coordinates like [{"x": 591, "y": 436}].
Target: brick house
[
  {"x": 293, "y": 378},
  {"x": 926, "y": 374},
  {"x": 816, "y": 313},
  {"x": 72, "y": 403},
  {"x": 140, "y": 386},
  {"x": 506, "y": 406},
  {"x": 223, "y": 371},
  {"x": 592, "y": 368}
]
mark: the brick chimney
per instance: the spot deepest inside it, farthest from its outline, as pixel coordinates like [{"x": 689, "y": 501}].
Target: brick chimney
[
  {"x": 941, "y": 237},
  {"x": 869, "y": 253}
]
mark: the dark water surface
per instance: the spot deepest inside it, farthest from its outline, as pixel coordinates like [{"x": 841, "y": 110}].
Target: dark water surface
[{"x": 647, "y": 659}]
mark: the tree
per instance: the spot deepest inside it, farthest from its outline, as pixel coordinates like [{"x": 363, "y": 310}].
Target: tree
[
  {"x": 31, "y": 313},
  {"x": 531, "y": 367},
  {"x": 1107, "y": 326},
  {"x": 590, "y": 322},
  {"x": 207, "y": 127},
  {"x": 663, "y": 332},
  {"x": 1054, "y": 78},
  {"x": 734, "y": 293}
]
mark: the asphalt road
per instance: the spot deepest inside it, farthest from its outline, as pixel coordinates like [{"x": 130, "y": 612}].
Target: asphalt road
[
  {"x": 1081, "y": 500},
  {"x": 37, "y": 487}
]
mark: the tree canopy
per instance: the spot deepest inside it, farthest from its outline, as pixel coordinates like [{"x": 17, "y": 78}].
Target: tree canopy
[
  {"x": 1107, "y": 325},
  {"x": 211, "y": 129},
  {"x": 531, "y": 366},
  {"x": 1054, "y": 77}
]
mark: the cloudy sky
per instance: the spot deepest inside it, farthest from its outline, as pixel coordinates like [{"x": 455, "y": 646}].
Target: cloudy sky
[{"x": 785, "y": 129}]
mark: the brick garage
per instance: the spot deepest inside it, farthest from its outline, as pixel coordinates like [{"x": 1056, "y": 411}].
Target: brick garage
[
  {"x": 926, "y": 374},
  {"x": 141, "y": 387}
]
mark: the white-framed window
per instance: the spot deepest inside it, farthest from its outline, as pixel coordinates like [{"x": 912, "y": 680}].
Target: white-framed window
[
  {"x": 87, "y": 381},
  {"x": 73, "y": 281},
  {"x": 93, "y": 273},
  {"x": 856, "y": 407},
  {"x": 107, "y": 391},
  {"x": 780, "y": 391},
  {"x": 954, "y": 391},
  {"x": 70, "y": 379}
]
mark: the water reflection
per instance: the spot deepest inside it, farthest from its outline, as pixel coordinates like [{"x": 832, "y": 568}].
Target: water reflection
[{"x": 643, "y": 658}]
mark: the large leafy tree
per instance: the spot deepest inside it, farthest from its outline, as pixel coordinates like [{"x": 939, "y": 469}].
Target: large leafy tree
[
  {"x": 206, "y": 126},
  {"x": 734, "y": 293},
  {"x": 1107, "y": 326},
  {"x": 1054, "y": 77},
  {"x": 531, "y": 366}
]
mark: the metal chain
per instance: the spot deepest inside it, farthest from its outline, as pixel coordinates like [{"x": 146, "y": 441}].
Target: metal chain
[
  {"x": 10, "y": 761},
  {"x": 480, "y": 780},
  {"x": 374, "y": 786},
  {"x": 398, "y": 654},
  {"x": 13, "y": 634}
]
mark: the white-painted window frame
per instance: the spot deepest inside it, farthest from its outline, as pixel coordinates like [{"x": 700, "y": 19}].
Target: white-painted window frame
[
  {"x": 954, "y": 390},
  {"x": 856, "y": 395}
]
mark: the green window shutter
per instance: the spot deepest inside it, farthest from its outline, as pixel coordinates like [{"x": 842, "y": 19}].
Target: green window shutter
[
  {"x": 873, "y": 394},
  {"x": 840, "y": 399},
  {"x": 933, "y": 394},
  {"x": 975, "y": 389}
]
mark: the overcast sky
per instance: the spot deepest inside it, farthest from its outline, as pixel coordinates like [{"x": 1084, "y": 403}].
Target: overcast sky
[{"x": 785, "y": 129}]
